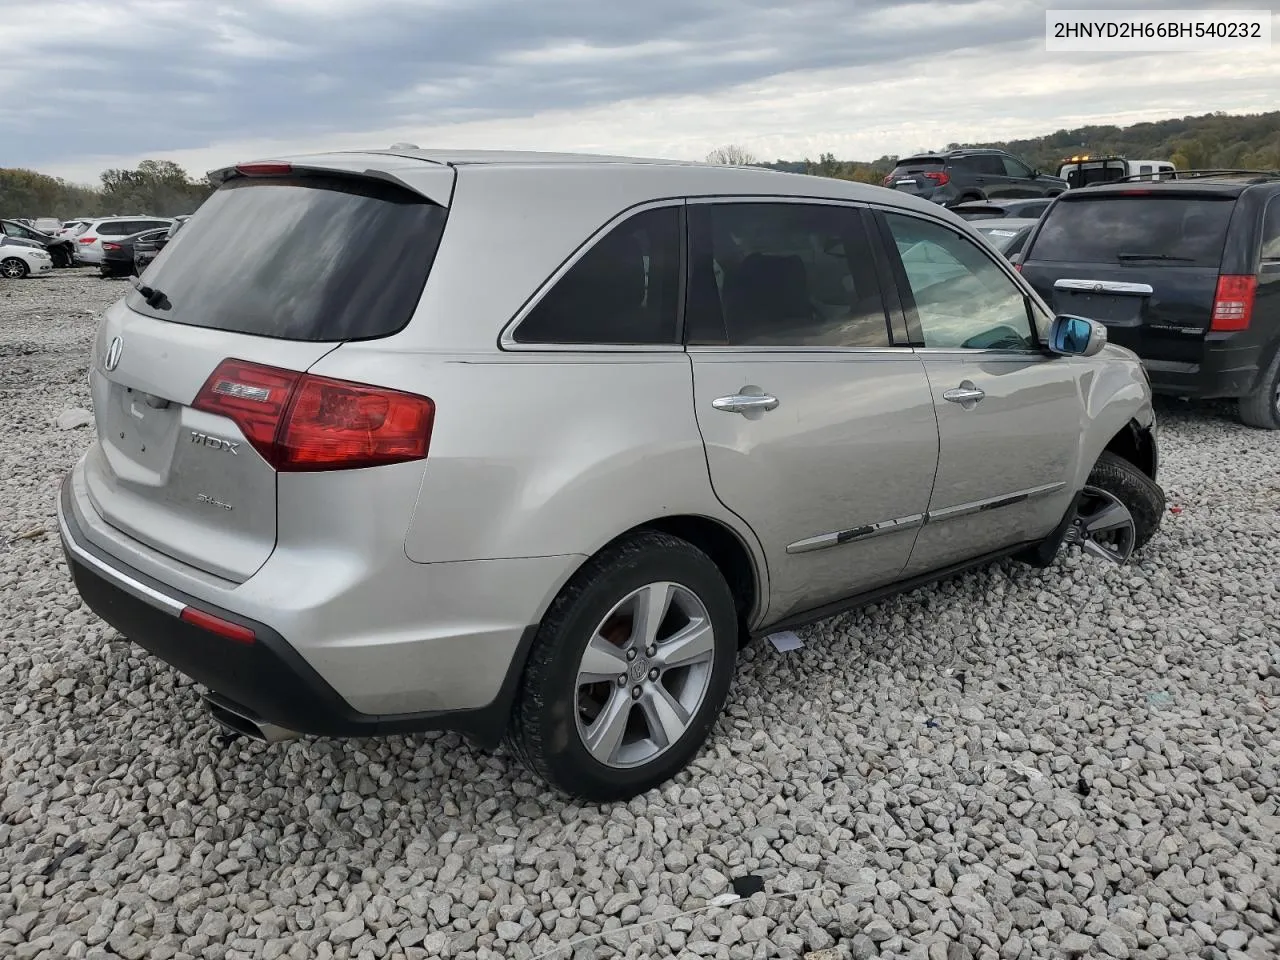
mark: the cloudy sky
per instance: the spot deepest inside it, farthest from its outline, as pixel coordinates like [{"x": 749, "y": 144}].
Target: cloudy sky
[{"x": 86, "y": 84}]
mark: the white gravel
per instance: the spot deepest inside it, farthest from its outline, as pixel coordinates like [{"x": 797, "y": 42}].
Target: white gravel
[{"x": 1020, "y": 764}]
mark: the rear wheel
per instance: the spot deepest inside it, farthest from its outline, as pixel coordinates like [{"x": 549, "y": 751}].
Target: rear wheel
[
  {"x": 1261, "y": 408},
  {"x": 1118, "y": 512},
  {"x": 629, "y": 670},
  {"x": 13, "y": 268}
]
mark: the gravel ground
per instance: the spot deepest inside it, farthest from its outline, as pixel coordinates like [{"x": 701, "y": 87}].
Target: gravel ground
[{"x": 1018, "y": 764}]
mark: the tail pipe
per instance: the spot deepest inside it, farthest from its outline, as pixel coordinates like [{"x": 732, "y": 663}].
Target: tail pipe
[{"x": 239, "y": 721}]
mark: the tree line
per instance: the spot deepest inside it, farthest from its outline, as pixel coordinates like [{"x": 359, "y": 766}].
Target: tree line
[
  {"x": 1211, "y": 140},
  {"x": 160, "y": 188}
]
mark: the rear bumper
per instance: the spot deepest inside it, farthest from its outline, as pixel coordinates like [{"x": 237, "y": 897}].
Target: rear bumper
[
  {"x": 269, "y": 679},
  {"x": 1225, "y": 371}
]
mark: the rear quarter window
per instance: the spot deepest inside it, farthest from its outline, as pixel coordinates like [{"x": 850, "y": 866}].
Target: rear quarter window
[
  {"x": 299, "y": 258},
  {"x": 1271, "y": 231},
  {"x": 1172, "y": 230}
]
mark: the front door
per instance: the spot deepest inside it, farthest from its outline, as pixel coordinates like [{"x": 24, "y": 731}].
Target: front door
[
  {"x": 818, "y": 433},
  {"x": 1009, "y": 415}
]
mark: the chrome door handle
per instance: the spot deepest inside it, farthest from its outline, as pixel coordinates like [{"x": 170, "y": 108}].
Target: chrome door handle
[
  {"x": 744, "y": 403},
  {"x": 963, "y": 394}
]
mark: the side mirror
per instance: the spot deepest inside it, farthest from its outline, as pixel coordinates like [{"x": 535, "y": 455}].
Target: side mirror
[
  {"x": 1077, "y": 336},
  {"x": 1034, "y": 173}
]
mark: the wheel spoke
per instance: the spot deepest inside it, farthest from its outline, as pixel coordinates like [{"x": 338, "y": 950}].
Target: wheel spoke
[
  {"x": 666, "y": 718},
  {"x": 1098, "y": 550},
  {"x": 604, "y": 736},
  {"x": 602, "y": 661},
  {"x": 651, "y": 607},
  {"x": 1111, "y": 517},
  {"x": 693, "y": 644}
]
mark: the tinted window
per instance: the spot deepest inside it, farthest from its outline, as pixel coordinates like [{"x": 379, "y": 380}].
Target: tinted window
[
  {"x": 1271, "y": 230},
  {"x": 115, "y": 228},
  {"x": 624, "y": 289},
  {"x": 914, "y": 166},
  {"x": 1112, "y": 229},
  {"x": 962, "y": 298},
  {"x": 987, "y": 164},
  {"x": 305, "y": 258},
  {"x": 1015, "y": 168},
  {"x": 782, "y": 274}
]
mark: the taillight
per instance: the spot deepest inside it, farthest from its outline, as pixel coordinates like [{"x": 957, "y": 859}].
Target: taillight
[
  {"x": 1233, "y": 303},
  {"x": 88, "y": 239},
  {"x": 941, "y": 179},
  {"x": 223, "y": 628},
  {"x": 1017, "y": 267},
  {"x": 887, "y": 180},
  {"x": 302, "y": 422},
  {"x": 111, "y": 246}
]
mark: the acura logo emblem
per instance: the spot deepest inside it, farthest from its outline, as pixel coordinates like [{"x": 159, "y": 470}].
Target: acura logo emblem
[{"x": 113, "y": 354}]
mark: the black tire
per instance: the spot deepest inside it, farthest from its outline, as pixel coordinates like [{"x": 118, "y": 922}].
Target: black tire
[
  {"x": 14, "y": 268},
  {"x": 1261, "y": 407},
  {"x": 544, "y": 724},
  {"x": 1138, "y": 492}
]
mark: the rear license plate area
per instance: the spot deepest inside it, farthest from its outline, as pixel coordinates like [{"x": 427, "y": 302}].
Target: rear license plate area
[{"x": 1114, "y": 310}]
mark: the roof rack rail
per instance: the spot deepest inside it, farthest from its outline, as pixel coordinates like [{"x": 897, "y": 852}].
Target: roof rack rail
[{"x": 1159, "y": 175}]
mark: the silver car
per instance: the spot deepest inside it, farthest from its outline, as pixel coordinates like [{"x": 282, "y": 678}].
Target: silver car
[{"x": 526, "y": 446}]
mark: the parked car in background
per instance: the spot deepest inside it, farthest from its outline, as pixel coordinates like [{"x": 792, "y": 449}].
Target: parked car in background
[
  {"x": 991, "y": 210},
  {"x": 574, "y": 576},
  {"x": 957, "y": 176},
  {"x": 47, "y": 225},
  {"x": 88, "y": 242},
  {"x": 59, "y": 251},
  {"x": 1084, "y": 171},
  {"x": 1007, "y": 234},
  {"x": 23, "y": 258},
  {"x": 71, "y": 227},
  {"x": 118, "y": 255},
  {"x": 145, "y": 251},
  {"x": 1185, "y": 272}
]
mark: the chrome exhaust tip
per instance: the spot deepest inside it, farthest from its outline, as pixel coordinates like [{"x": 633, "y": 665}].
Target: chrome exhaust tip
[{"x": 239, "y": 722}]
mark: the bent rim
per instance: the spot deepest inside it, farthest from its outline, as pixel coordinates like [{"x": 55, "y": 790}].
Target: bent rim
[
  {"x": 1103, "y": 526},
  {"x": 644, "y": 674}
]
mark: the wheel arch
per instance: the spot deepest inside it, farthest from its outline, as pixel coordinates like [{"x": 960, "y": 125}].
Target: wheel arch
[{"x": 1137, "y": 445}]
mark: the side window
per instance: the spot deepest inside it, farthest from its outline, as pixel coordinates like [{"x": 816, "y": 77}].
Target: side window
[
  {"x": 109, "y": 230},
  {"x": 962, "y": 298},
  {"x": 1015, "y": 168},
  {"x": 782, "y": 274},
  {"x": 1271, "y": 230},
  {"x": 10, "y": 230},
  {"x": 624, "y": 289}
]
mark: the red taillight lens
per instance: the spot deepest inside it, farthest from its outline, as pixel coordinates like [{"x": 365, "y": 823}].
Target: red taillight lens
[
  {"x": 1017, "y": 267},
  {"x": 1233, "y": 303},
  {"x": 223, "y": 628},
  {"x": 111, "y": 246},
  {"x": 886, "y": 181},
  {"x": 264, "y": 169},
  {"x": 88, "y": 239},
  {"x": 300, "y": 422},
  {"x": 333, "y": 424},
  {"x": 941, "y": 179}
]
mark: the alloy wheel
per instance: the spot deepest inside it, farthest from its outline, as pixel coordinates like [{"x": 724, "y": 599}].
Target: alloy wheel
[
  {"x": 1103, "y": 526},
  {"x": 644, "y": 674}
]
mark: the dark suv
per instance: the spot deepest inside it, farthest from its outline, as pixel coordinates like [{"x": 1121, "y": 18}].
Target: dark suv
[
  {"x": 1185, "y": 272},
  {"x": 960, "y": 176}
]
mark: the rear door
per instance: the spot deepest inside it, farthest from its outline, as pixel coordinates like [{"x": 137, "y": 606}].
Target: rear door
[
  {"x": 819, "y": 434},
  {"x": 274, "y": 272},
  {"x": 1144, "y": 262},
  {"x": 1009, "y": 415}
]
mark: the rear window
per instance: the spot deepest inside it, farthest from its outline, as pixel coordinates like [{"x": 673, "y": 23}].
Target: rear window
[
  {"x": 299, "y": 258},
  {"x": 915, "y": 165},
  {"x": 1114, "y": 229}
]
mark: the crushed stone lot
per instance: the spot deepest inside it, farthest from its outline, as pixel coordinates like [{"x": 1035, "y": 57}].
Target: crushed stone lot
[{"x": 1082, "y": 761}]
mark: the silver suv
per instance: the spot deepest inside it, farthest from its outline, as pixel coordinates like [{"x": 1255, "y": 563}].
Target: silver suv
[{"x": 526, "y": 446}]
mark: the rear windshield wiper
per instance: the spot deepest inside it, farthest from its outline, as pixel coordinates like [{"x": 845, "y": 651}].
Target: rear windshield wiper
[
  {"x": 1151, "y": 256},
  {"x": 155, "y": 299}
]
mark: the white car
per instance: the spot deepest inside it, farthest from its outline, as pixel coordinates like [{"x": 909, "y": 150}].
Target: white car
[
  {"x": 88, "y": 242},
  {"x": 23, "y": 258}
]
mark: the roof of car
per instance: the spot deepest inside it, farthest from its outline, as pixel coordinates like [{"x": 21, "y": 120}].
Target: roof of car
[{"x": 1004, "y": 223}]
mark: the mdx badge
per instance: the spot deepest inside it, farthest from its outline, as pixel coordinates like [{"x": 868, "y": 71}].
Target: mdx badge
[
  {"x": 112, "y": 359},
  {"x": 204, "y": 440}
]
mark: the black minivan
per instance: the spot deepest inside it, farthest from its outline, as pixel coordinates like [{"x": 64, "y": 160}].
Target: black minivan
[{"x": 1185, "y": 272}]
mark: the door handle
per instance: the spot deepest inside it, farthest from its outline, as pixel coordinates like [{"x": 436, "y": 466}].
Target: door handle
[
  {"x": 744, "y": 403},
  {"x": 966, "y": 393}
]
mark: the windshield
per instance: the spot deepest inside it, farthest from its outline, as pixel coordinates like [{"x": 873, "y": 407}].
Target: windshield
[
  {"x": 1118, "y": 228},
  {"x": 298, "y": 258},
  {"x": 1001, "y": 237}
]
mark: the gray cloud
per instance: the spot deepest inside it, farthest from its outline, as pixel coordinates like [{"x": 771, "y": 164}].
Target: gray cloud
[{"x": 127, "y": 77}]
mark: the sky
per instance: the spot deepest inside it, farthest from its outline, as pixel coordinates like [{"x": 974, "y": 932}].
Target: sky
[{"x": 91, "y": 84}]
